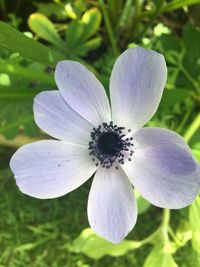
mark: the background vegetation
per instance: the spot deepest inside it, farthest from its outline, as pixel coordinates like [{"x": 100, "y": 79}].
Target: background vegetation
[{"x": 34, "y": 35}]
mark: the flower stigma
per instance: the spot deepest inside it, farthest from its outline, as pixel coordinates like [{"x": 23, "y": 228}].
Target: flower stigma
[{"x": 109, "y": 145}]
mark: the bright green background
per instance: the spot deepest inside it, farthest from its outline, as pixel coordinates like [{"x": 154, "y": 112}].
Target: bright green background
[{"x": 34, "y": 35}]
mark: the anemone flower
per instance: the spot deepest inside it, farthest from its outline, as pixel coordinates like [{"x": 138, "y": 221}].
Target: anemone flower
[{"x": 108, "y": 140}]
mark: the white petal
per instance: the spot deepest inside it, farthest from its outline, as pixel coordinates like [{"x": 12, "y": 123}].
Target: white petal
[
  {"x": 136, "y": 86},
  {"x": 50, "y": 168},
  {"x": 112, "y": 211},
  {"x": 163, "y": 169},
  {"x": 82, "y": 91},
  {"x": 54, "y": 116}
]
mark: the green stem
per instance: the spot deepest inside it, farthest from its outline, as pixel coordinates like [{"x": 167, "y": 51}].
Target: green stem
[
  {"x": 161, "y": 232},
  {"x": 192, "y": 128},
  {"x": 165, "y": 225},
  {"x": 166, "y": 217},
  {"x": 151, "y": 238},
  {"x": 109, "y": 28},
  {"x": 184, "y": 120},
  {"x": 173, "y": 236}
]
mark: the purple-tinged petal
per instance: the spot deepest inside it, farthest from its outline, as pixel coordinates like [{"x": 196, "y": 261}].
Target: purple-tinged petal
[
  {"x": 136, "y": 86},
  {"x": 50, "y": 168},
  {"x": 82, "y": 91},
  {"x": 112, "y": 210},
  {"x": 148, "y": 136},
  {"x": 163, "y": 169},
  {"x": 55, "y": 117}
]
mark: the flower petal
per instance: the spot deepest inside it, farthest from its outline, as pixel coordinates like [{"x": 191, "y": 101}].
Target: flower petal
[
  {"x": 112, "y": 210},
  {"x": 82, "y": 91},
  {"x": 50, "y": 168},
  {"x": 54, "y": 116},
  {"x": 136, "y": 86},
  {"x": 163, "y": 169}
]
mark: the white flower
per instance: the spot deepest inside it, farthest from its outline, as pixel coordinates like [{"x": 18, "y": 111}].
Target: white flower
[{"x": 156, "y": 161}]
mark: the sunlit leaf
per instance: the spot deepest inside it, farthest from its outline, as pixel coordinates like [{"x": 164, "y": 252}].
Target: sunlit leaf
[
  {"x": 184, "y": 232},
  {"x": 196, "y": 240},
  {"x": 91, "y": 21},
  {"x": 70, "y": 11},
  {"x": 194, "y": 213},
  {"x": 196, "y": 152},
  {"x": 96, "y": 247},
  {"x": 159, "y": 257},
  {"x": 44, "y": 29}
]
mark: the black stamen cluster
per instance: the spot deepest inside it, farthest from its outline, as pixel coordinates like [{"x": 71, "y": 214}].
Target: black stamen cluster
[{"x": 108, "y": 145}]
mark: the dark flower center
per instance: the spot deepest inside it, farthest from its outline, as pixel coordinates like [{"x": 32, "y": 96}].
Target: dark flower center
[{"x": 110, "y": 145}]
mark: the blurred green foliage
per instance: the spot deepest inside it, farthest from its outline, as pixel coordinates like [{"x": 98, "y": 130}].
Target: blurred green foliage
[{"x": 34, "y": 35}]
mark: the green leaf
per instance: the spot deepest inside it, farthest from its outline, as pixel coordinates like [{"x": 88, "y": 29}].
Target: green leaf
[
  {"x": 11, "y": 129},
  {"x": 142, "y": 203},
  {"x": 16, "y": 97},
  {"x": 159, "y": 257},
  {"x": 52, "y": 9},
  {"x": 71, "y": 38},
  {"x": 174, "y": 96},
  {"x": 196, "y": 240},
  {"x": 127, "y": 14},
  {"x": 44, "y": 28},
  {"x": 4, "y": 79},
  {"x": 79, "y": 43},
  {"x": 191, "y": 38},
  {"x": 194, "y": 214},
  {"x": 196, "y": 152},
  {"x": 70, "y": 11},
  {"x": 168, "y": 43},
  {"x": 90, "y": 45},
  {"x": 19, "y": 71},
  {"x": 16, "y": 41},
  {"x": 91, "y": 21},
  {"x": 96, "y": 247},
  {"x": 172, "y": 5},
  {"x": 195, "y": 145},
  {"x": 184, "y": 232},
  {"x": 194, "y": 217}
]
